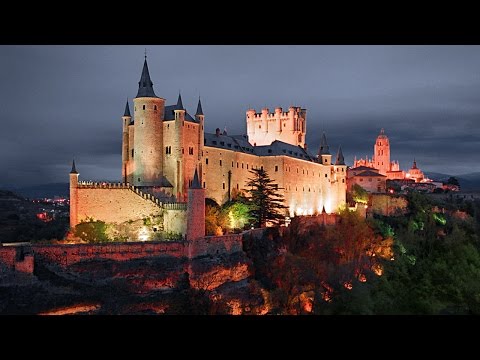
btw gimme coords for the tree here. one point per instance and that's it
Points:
(92, 231)
(359, 194)
(453, 181)
(266, 202)
(215, 220)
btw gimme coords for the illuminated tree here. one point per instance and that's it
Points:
(265, 200)
(359, 194)
(92, 231)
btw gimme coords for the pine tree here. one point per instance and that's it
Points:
(266, 202)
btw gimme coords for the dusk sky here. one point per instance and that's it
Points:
(63, 101)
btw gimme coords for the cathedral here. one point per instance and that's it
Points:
(163, 145)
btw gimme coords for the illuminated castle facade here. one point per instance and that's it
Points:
(163, 146)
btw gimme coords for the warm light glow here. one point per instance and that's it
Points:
(143, 234)
(310, 211)
(407, 175)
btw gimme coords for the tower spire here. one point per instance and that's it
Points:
(74, 170)
(145, 85)
(127, 110)
(179, 101)
(340, 159)
(324, 148)
(195, 182)
(199, 107)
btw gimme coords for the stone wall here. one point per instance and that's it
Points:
(214, 245)
(113, 205)
(65, 255)
(18, 258)
(175, 221)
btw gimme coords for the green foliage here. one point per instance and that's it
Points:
(265, 200)
(147, 221)
(359, 194)
(238, 213)
(92, 231)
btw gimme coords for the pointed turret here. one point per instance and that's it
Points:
(324, 148)
(340, 159)
(195, 182)
(127, 111)
(414, 164)
(74, 170)
(179, 102)
(145, 85)
(199, 108)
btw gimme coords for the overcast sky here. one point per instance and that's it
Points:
(63, 101)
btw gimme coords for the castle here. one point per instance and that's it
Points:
(167, 156)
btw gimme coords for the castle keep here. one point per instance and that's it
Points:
(168, 161)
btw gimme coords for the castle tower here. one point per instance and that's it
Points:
(323, 152)
(201, 120)
(126, 118)
(73, 196)
(196, 210)
(381, 155)
(264, 128)
(149, 111)
(179, 185)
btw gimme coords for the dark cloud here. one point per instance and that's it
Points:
(65, 101)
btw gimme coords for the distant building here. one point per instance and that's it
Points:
(368, 178)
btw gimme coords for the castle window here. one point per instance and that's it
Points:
(223, 186)
(269, 151)
(296, 154)
(222, 143)
(232, 164)
(343, 180)
(204, 186)
(237, 165)
(143, 107)
(297, 170)
(206, 161)
(343, 169)
(220, 162)
(325, 175)
(284, 124)
(242, 165)
(237, 186)
(259, 126)
(132, 153)
(183, 151)
(229, 145)
(247, 166)
(308, 189)
(168, 126)
(138, 179)
(214, 142)
(303, 171)
(284, 151)
(325, 161)
(166, 150)
(190, 150)
(261, 167)
(188, 126)
(290, 152)
(155, 107)
(307, 172)
(360, 178)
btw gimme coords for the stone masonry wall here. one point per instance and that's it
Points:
(113, 205)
